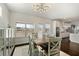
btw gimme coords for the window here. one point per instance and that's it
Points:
(20, 32)
(0, 11)
(40, 26)
(19, 25)
(47, 26)
(29, 26)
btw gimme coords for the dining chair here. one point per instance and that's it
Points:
(54, 45)
(30, 46)
(33, 51)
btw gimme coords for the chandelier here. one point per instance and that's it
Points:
(41, 7)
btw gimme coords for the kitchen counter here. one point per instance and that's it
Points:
(74, 37)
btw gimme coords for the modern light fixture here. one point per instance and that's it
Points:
(40, 7)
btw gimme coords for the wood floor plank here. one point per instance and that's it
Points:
(69, 47)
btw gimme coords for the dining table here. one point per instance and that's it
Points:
(46, 45)
(42, 44)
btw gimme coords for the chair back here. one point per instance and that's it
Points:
(54, 46)
(31, 45)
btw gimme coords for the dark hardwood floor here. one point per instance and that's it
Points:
(69, 47)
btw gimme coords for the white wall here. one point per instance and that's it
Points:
(5, 16)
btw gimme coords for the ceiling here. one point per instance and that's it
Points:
(64, 11)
